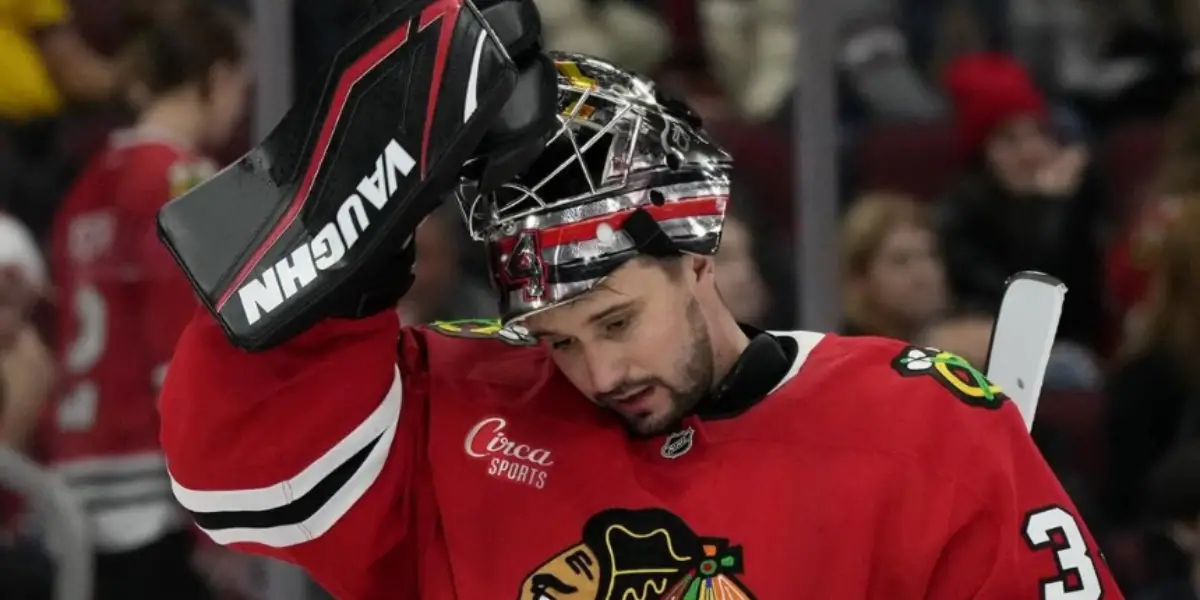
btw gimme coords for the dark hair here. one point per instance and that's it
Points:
(1173, 488)
(177, 42)
(1171, 317)
(1177, 172)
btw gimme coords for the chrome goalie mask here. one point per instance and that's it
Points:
(628, 172)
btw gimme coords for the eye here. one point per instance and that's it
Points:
(560, 345)
(617, 325)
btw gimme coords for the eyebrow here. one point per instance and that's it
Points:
(600, 316)
(610, 311)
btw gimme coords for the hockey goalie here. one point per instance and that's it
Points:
(618, 435)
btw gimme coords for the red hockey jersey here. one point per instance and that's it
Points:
(122, 305)
(461, 465)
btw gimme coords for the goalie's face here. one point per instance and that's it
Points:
(638, 343)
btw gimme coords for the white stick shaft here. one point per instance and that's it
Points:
(1023, 336)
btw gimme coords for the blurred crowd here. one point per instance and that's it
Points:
(976, 138)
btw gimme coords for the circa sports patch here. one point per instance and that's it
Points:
(485, 329)
(953, 373)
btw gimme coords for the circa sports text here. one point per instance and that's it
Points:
(508, 458)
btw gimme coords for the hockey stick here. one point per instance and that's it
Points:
(1023, 336)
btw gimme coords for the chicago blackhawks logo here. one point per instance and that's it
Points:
(951, 371)
(183, 176)
(647, 554)
(485, 329)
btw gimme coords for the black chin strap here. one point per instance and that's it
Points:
(648, 236)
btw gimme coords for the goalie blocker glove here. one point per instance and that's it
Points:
(318, 220)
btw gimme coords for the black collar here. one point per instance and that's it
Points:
(762, 365)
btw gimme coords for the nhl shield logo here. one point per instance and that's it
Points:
(677, 444)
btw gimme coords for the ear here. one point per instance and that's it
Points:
(701, 266)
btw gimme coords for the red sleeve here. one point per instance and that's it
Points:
(299, 452)
(1015, 533)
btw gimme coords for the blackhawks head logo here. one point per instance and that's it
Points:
(484, 329)
(955, 374)
(646, 554)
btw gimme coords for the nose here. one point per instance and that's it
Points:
(606, 366)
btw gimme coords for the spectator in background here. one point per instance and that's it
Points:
(876, 65)
(26, 376)
(1173, 500)
(893, 283)
(123, 302)
(44, 59)
(1137, 63)
(1153, 393)
(1026, 201)
(1071, 32)
(45, 64)
(753, 48)
(26, 364)
(1178, 178)
(620, 31)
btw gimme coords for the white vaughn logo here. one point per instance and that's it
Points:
(292, 273)
(507, 458)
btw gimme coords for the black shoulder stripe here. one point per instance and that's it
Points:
(296, 512)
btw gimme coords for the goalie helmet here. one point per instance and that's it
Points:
(628, 171)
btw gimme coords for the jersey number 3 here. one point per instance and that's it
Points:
(77, 409)
(1055, 529)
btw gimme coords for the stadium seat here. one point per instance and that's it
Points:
(765, 157)
(911, 158)
(1079, 418)
(1129, 157)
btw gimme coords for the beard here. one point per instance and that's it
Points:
(694, 381)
